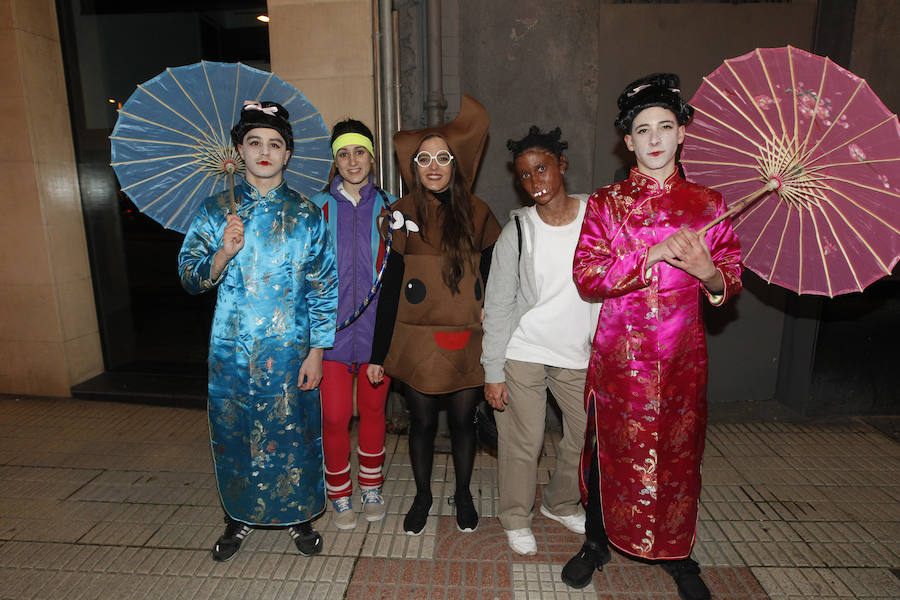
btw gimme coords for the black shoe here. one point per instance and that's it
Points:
(415, 519)
(230, 541)
(579, 571)
(307, 539)
(466, 516)
(686, 573)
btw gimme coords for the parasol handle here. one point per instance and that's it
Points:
(773, 184)
(229, 168)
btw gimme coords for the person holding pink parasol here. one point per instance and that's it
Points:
(645, 394)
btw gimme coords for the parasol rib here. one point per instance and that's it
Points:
(865, 243)
(309, 116)
(720, 144)
(815, 111)
(171, 189)
(720, 163)
(750, 96)
(160, 125)
(861, 208)
(307, 176)
(794, 93)
(739, 110)
(151, 160)
(734, 182)
(761, 233)
(146, 141)
(765, 71)
(846, 143)
(191, 100)
(212, 97)
(833, 123)
(787, 220)
(157, 175)
(861, 186)
(812, 215)
(729, 127)
(187, 201)
(853, 163)
(173, 111)
(840, 245)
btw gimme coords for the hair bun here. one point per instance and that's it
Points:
(656, 89)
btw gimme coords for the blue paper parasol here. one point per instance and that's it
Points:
(171, 146)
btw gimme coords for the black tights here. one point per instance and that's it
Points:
(423, 422)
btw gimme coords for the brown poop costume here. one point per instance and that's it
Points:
(436, 345)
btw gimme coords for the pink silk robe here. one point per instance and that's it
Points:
(646, 383)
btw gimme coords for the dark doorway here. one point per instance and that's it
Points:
(154, 334)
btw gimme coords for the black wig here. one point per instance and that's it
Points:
(252, 116)
(658, 89)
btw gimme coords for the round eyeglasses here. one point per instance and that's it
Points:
(424, 158)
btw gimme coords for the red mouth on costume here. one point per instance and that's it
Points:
(452, 340)
(264, 163)
(655, 154)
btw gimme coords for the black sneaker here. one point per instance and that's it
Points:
(307, 539)
(230, 542)
(579, 571)
(415, 519)
(686, 573)
(466, 516)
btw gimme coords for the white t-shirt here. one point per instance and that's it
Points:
(558, 330)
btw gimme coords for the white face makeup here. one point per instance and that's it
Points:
(265, 154)
(654, 139)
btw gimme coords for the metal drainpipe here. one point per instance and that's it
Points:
(388, 124)
(435, 103)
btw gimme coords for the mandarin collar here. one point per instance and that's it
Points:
(256, 196)
(651, 184)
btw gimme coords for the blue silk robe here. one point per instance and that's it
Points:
(277, 298)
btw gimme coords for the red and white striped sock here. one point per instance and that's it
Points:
(337, 485)
(370, 475)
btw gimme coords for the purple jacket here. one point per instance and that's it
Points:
(359, 245)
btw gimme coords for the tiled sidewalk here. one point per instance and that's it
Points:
(117, 501)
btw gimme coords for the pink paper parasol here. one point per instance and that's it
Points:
(808, 158)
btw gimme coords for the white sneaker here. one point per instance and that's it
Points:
(343, 517)
(574, 523)
(521, 541)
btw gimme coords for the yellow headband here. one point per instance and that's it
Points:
(351, 139)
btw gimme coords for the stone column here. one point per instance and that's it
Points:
(49, 338)
(325, 49)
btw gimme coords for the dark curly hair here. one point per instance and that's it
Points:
(536, 138)
(658, 89)
(252, 118)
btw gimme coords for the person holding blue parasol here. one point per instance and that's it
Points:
(271, 259)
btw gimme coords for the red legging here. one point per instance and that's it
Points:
(337, 409)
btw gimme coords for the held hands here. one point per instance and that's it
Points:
(687, 250)
(495, 394)
(311, 370)
(375, 374)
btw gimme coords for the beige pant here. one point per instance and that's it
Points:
(520, 429)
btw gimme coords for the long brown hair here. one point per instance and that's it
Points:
(457, 227)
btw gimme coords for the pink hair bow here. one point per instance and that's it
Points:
(269, 110)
